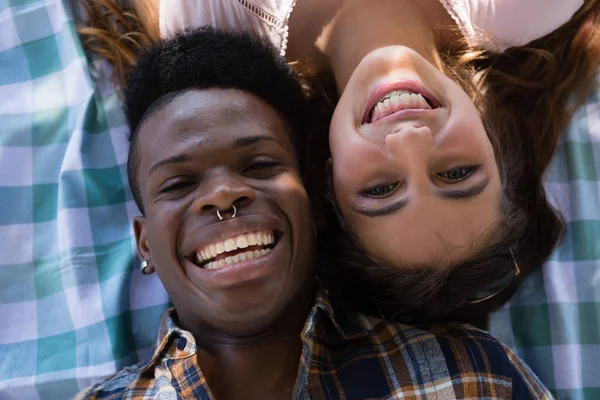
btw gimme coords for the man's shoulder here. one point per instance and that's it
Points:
(456, 353)
(463, 348)
(113, 387)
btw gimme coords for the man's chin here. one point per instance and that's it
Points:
(258, 312)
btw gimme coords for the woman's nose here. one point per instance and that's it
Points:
(410, 142)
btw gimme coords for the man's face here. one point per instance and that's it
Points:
(209, 150)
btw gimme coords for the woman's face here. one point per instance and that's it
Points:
(414, 171)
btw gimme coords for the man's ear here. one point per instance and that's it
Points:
(141, 239)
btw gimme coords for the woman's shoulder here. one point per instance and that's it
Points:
(499, 24)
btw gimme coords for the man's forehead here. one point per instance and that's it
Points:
(205, 109)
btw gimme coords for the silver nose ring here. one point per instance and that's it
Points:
(232, 214)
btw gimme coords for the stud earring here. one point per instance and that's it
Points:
(145, 268)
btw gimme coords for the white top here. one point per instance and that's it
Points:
(499, 24)
(265, 18)
(491, 24)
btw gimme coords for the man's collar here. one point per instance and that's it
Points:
(322, 324)
(349, 326)
(172, 342)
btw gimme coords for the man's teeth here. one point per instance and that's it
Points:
(396, 101)
(238, 258)
(213, 250)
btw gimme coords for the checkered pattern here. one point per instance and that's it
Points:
(351, 357)
(553, 322)
(74, 306)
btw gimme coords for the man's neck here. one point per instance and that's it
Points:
(363, 26)
(259, 366)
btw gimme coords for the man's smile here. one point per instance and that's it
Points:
(235, 249)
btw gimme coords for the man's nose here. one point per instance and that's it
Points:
(220, 192)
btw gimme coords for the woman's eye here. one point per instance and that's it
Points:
(176, 186)
(380, 190)
(457, 175)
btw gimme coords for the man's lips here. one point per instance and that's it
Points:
(210, 246)
(235, 249)
(405, 97)
(263, 263)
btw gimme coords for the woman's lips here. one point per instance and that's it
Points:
(395, 101)
(394, 97)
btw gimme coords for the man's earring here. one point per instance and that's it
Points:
(145, 268)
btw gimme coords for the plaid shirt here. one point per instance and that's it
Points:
(353, 357)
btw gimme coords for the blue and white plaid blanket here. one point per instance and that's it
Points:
(73, 306)
(553, 322)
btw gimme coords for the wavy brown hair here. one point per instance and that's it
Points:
(523, 98)
(113, 31)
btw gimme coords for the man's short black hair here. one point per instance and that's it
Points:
(205, 58)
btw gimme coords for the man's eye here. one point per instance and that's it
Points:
(457, 175)
(262, 169)
(261, 165)
(380, 190)
(176, 186)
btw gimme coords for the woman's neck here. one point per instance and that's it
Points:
(362, 26)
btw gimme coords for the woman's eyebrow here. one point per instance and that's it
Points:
(386, 210)
(465, 193)
(454, 194)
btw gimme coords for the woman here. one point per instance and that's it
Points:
(446, 120)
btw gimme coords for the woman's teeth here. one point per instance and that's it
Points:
(215, 255)
(398, 100)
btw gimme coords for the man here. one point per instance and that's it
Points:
(215, 166)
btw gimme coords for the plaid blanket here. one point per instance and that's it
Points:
(553, 322)
(74, 306)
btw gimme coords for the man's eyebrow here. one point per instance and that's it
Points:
(378, 212)
(250, 140)
(241, 142)
(176, 159)
(466, 193)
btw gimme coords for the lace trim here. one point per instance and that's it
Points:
(475, 35)
(461, 24)
(286, 33)
(272, 20)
